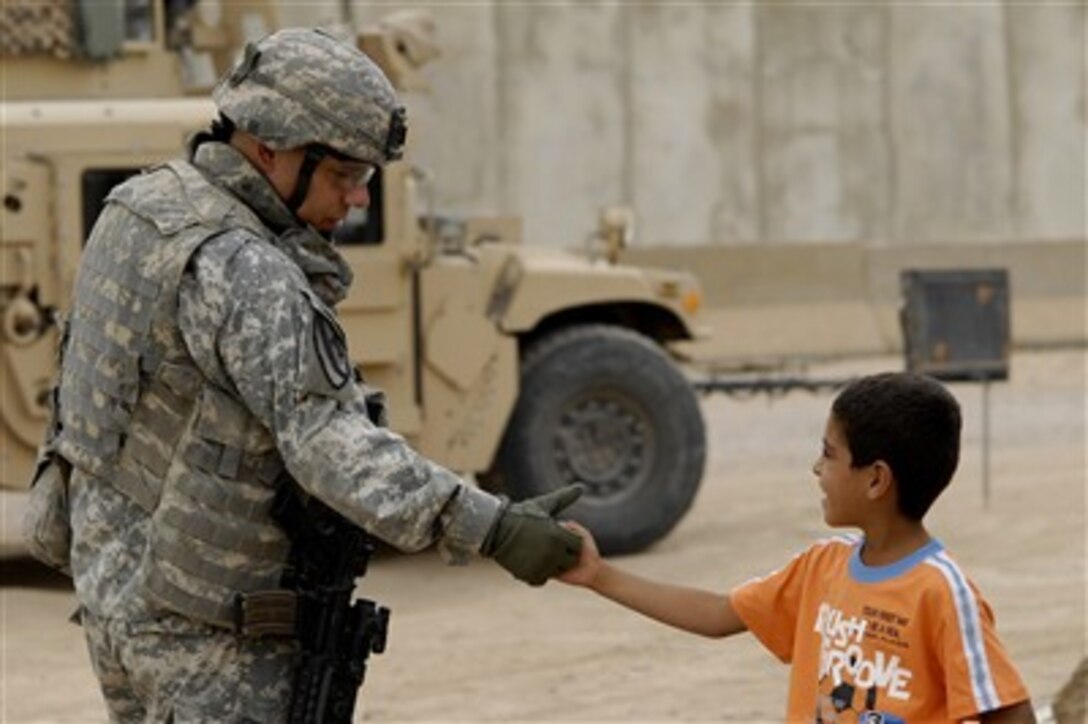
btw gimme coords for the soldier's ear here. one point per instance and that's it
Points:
(266, 157)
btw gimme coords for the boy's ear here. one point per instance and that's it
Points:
(882, 481)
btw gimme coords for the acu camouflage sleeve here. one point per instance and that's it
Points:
(253, 325)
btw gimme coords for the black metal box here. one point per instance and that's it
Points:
(956, 323)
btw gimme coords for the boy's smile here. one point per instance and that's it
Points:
(843, 485)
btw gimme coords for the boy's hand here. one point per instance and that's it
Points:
(585, 571)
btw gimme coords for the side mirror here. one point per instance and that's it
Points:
(615, 230)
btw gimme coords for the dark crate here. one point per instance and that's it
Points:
(956, 323)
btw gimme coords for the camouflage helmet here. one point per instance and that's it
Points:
(300, 87)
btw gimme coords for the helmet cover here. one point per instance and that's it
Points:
(299, 87)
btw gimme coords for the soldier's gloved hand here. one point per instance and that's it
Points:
(527, 541)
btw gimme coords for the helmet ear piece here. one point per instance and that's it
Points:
(314, 155)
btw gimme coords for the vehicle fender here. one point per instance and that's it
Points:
(535, 285)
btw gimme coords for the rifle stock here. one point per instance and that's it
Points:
(336, 635)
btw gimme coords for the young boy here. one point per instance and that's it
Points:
(878, 628)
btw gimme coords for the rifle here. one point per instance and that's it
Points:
(336, 634)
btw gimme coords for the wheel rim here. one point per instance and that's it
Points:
(606, 442)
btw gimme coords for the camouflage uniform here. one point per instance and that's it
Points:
(202, 360)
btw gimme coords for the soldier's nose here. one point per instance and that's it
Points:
(358, 196)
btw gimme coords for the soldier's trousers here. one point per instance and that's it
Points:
(176, 670)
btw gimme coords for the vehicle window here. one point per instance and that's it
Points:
(139, 21)
(96, 184)
(365, 226)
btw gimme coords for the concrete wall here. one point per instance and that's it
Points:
(766, 303)
(752, 123)
(763, 144)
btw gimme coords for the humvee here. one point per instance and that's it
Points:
(527, 367)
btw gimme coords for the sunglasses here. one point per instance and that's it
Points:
(350, 175)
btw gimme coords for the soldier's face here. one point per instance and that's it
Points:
(335, 188)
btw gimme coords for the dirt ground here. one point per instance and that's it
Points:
(473, 645)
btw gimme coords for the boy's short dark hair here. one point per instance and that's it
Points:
(909, 421)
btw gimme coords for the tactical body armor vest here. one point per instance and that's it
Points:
(137, 413)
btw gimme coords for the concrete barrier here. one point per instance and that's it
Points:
(831, 300)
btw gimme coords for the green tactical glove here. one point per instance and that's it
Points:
(527, 541)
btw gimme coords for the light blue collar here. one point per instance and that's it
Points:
(878, 574)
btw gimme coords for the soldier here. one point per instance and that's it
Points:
(202, 366)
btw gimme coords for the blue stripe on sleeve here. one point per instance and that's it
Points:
(974, 648)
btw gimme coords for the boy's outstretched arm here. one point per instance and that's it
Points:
(690, 609)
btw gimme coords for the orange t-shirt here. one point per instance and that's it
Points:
(913, 641)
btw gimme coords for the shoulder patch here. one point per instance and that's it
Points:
(332, 350)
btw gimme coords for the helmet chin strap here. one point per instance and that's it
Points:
(314, 155)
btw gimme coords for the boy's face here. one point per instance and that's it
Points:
(844, 486)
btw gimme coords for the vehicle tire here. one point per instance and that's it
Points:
(606, 407)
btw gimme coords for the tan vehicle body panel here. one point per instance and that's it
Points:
(139, 74)
(550, 274)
